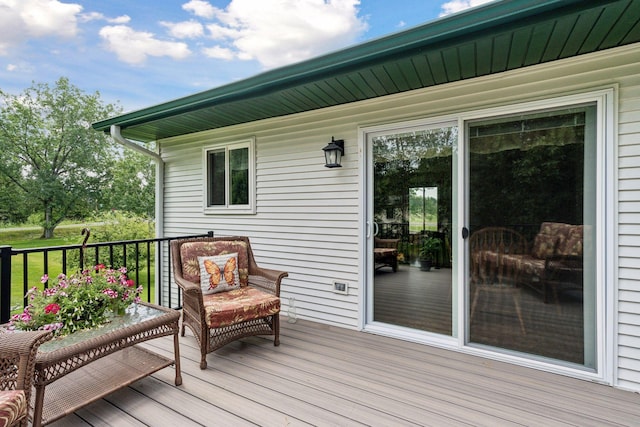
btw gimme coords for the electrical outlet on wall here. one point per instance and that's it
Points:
(340, 287)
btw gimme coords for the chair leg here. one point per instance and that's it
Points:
(474, 303)
(519, 312)
(276, 330)
(205, 345)
(203, 360)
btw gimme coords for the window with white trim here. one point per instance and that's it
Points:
(230, 177)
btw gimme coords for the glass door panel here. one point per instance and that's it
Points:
(412, 209)
(532, 181)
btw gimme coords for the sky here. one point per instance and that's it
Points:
(139, 53)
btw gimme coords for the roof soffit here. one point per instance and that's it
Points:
(490, 40)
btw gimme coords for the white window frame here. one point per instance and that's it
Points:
(605, 240)
(606, 237)
(228, 208)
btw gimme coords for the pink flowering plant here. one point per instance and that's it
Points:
(83, 300)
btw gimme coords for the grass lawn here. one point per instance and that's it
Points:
(35, 265)
(417, 223)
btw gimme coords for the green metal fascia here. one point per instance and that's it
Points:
(494, 15)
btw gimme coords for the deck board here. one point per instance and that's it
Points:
(324, 375)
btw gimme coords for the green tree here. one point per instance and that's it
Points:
(15, 208)
(117, 226)
(49, 151)
(132, 188)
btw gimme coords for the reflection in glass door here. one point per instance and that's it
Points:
(532, 181)
(412, 212)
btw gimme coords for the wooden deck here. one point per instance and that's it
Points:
(329, 376)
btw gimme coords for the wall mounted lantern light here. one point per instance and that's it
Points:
(333, 153)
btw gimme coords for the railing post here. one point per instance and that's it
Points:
(5, 283)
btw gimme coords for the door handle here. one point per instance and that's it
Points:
(465, 232)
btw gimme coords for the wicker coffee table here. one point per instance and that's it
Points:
(85, 366)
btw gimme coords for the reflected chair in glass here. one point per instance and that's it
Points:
(489, 274)
(385, 253)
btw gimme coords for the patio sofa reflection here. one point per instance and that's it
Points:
(554, 261)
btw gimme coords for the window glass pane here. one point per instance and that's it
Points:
(239, 168)
(216, 174)
(532, 218)
(412, 250)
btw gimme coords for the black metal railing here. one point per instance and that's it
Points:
(136, 254)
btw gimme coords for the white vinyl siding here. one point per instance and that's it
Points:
(308, 218)
(305, 216)
(628, 361)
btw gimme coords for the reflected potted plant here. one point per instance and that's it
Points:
(428, 252)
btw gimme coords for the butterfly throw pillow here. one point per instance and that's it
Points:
(219, 273)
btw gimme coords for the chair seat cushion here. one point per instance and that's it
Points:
(525, 265)
(13, 407)
(239, 305)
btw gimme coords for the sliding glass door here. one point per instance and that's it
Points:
(411, 248)
(482, 233)
(532, 205)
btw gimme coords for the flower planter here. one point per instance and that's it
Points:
(83, 300)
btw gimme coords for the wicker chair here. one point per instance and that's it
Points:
(220, 318)
(17, 362)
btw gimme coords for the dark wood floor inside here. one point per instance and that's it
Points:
(423, 300)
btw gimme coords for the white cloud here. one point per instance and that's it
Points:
(200, 8)
(218, 32)
(20, 67)
(134, 47)
(97, 16)
(185, 29)
(279, 32)
(219, 52)
(50, 17)
(21, 19)
(91, 16)
(119, 19)
(460, 5)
